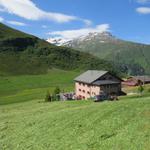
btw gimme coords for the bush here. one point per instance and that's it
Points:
(140, 89)
(48, 97)
(54, 97)
(56, 93)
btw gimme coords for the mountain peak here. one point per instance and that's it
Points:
(106, 33)
(57, 41)
(102, 37)
(99, 36)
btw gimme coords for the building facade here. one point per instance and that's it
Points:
(93, 83)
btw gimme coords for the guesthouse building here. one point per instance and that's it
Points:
(94, 82)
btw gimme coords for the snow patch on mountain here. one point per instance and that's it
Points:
(103, 37)
(57, 41)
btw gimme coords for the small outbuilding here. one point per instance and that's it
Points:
(137, 80)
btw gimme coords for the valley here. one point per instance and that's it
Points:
(31, 67)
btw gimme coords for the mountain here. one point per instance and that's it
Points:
(21, 53)
(57, 41)
(132, 57)
(103, 37)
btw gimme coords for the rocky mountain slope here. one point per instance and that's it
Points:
(134, 57)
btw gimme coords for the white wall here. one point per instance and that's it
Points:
(86, 90)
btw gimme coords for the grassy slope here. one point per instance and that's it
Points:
(29, 87)
(21, 53)
(35, 125)
(77, 125)
(7, 32)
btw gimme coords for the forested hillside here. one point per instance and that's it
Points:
(21, 53)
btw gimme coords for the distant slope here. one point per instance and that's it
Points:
(134, 57)
(22, 53)
(22, 88)
(7, 32)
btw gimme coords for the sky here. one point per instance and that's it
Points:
(125, 19)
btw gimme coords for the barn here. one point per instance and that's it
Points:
(137, 80)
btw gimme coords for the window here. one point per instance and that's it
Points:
(80, 96)
(93, 93)
(80, 90)
(88, 92)
(83, 91)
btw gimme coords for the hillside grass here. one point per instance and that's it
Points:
(22, 88)
(134, 89)
(29, 123)
(22, 54)
(76, 125)
(29, 87)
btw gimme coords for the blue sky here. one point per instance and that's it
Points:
(126, 19)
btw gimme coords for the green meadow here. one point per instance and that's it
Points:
(29, 123)
(31, 87)
(76, 125)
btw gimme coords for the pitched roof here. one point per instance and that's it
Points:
(142, 78)
(90, 76)
(105, 82)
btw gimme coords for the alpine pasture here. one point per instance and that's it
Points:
(76, 125)
(29, 123)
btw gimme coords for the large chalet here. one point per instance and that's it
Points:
(94, 82)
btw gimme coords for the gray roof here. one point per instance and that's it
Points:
(90, 76)
(105, 82)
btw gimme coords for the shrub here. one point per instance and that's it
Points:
(57, 90)
(140, 89)
(48, 97)
(56, 93)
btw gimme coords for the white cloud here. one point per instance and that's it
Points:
(70, 34)
(28, 10)
(143, 10)
(12, 22)
(143, 1)
(87, 22)
(1, 19)
(16, 23)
